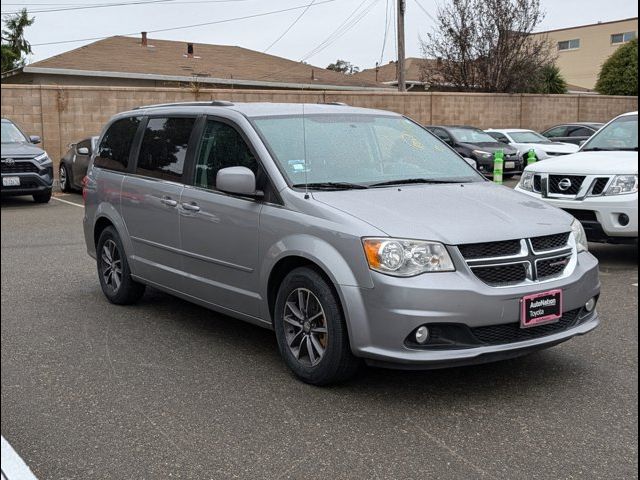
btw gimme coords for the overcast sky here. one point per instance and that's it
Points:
(361, 44)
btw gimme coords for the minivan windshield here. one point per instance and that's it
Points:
(529, 137)
(344, 151)
(471, 135)
(12, 134)
(620, 134)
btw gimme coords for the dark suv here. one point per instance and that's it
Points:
(478, 145)
(26, 169)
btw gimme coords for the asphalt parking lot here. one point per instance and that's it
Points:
(166, 389)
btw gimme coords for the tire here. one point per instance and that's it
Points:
(117, 286)
(297, 332)
(65, 178)
(43, 197)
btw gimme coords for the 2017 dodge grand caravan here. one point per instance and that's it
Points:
(354, 234)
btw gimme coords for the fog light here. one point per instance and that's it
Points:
(623, 219)
(590, 305)
(422, 335)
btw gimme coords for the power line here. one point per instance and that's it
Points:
(425, 11)
(386, 31)
(216, 22)
(290, 27)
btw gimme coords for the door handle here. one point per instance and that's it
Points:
(168, 202)
(191, 207)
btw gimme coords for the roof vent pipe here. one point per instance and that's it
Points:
(190, 50)
(144, 42)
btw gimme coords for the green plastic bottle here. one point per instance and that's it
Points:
(498, 166)
(531, 157)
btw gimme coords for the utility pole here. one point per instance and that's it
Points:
(402, 86)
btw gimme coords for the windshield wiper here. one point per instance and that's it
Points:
(596, 149)
(408, 181)
(331, 186)
(630, 149)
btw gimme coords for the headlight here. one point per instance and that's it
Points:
(526, 181)
(623, 184)
(42, 158)
(580, 236)
(406, 258)
(482, 154)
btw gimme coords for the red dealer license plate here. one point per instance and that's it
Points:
(541, 308)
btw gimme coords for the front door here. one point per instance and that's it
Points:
(150, 200)
(219, 231)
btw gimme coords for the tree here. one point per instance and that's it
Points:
(343, 66)
(14, 44)
(619, 74)
(550, 81)
(487, 45)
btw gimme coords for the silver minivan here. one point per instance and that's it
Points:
(355, 234)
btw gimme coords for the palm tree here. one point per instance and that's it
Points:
(551, 81)
(14, 45)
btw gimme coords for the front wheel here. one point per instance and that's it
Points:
(311, 330)
(65, 179)
(113, 270)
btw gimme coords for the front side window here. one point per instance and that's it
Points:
(84, 144)
(620, 134)
(361, 149)
(12, 134)
(221, 147)
(555, 132)
(164, 147)
(569, 44)
(115, 147)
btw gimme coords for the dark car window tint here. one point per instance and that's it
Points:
(113, 152)
(164, 147)
(580, 132)
(221, 147)
(442, 135)
(555, 132)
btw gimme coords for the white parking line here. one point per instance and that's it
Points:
(13, 467)
(67, 201)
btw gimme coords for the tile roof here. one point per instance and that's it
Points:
(388, 72)
(169, 58)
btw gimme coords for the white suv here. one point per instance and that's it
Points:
(598, 185)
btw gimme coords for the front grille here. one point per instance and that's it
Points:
(512, 332)
(552, 267)
(473, 251)
(573, 189)
(600, 185)
(501, 275)
(583, 215)
(19, 167)
(550, 242)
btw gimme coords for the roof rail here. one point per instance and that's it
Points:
(211, 103)
(339, 104)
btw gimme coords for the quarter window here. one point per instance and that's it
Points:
(115, 147)
(221, 147)
(164, 147)
(569, 44)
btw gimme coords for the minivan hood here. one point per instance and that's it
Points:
(590, 163)
(453, 214)
(20, 150)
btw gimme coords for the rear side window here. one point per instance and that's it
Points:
(580, 132)
(221, 147)
(113, 151)
(84, 144)
(164, 147)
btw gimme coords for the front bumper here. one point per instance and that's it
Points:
(486, 165)
(30, 183)
(380, 319)
(600, 215)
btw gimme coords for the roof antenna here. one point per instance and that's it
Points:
(304, 143)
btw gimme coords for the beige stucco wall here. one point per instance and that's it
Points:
(581, 66)
(64, 114)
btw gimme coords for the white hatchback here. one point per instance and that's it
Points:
(598, 185)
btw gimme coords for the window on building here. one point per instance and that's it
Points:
(569, 44)
(622, 37)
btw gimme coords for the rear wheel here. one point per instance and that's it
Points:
(65, 179)
(113, 270)
(43, 197)
(311, 331)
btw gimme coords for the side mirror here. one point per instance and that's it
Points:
(471, 162)
(582, 142)
(35, 139)
(83, 151)
(237, 180)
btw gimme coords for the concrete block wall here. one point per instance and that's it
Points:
(65, 114)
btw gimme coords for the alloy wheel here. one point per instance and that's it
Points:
(111, 265)
(305, 327)
(63, 178)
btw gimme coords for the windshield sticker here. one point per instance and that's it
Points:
(412, 141)
(298, 166)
